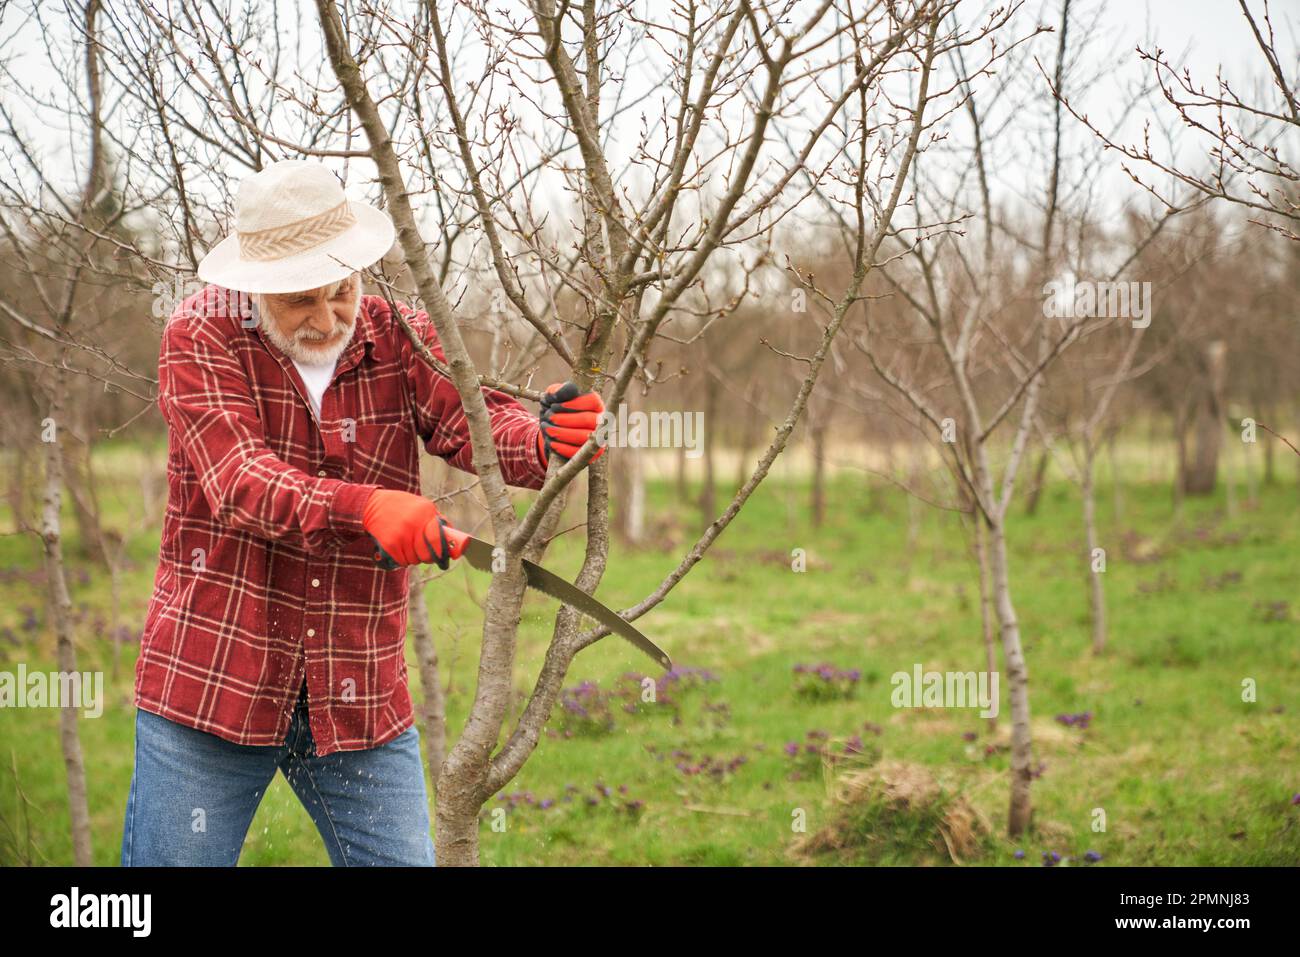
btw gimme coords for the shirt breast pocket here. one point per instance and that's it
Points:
(384, 453)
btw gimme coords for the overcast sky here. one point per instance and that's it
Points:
(1199, 33)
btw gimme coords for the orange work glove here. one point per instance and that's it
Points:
(406, 528)
(568, 418)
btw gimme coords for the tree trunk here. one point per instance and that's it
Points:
(1201, 476)
(986, 604)
(1096, 589)
(1021, 808)
(708, 503)
(1180, 473)
(1116, 489)
(1270, 477)
(1036, 489)
(115, 554)
(1230, 492)
(913, 509)
(80, 483)
(819, 474)
(61, 618)
(433, 709)
(18, 502)
(1252, 483)
(683, 489)
(1298, 457)
(462, 785)
(748, 437)
(633, 523)
(629, 468)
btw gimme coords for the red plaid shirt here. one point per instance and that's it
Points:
(265, 573)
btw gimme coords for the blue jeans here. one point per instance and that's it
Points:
(193, 796)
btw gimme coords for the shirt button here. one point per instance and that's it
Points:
(315, 583)
(311, 632)
(321, 473)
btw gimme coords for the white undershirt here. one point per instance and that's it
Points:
(315, 378)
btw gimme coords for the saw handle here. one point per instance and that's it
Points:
(456, 540)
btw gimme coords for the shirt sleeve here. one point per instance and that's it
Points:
(205, 397)
(441, 420)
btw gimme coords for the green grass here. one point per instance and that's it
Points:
(1184, 771)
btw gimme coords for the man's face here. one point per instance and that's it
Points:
(312, 327)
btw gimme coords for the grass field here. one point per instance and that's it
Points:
(1183, 769)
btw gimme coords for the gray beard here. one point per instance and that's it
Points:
(303, 355)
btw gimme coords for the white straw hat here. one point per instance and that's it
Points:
(296, 230)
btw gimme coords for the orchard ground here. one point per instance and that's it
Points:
(1147, 754)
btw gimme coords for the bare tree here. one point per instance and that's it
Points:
(63, 273)
(970, 350)
(627, 250)
(1246, 138)
(602, 179)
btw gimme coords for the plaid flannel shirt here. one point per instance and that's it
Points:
(265, 573)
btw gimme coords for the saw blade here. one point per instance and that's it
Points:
(479, 554)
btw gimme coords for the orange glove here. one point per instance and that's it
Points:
(406, 528)
(568, 419)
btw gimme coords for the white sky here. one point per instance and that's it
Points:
(1200, 33)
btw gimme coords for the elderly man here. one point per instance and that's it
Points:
(273, 640)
